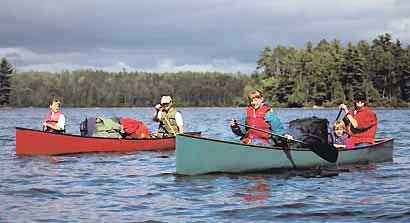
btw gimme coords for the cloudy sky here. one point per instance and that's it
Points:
(176, 35)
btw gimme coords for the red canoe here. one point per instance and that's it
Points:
(36, 142)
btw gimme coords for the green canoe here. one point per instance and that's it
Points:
(198, 155)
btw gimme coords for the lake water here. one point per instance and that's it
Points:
(142, 186)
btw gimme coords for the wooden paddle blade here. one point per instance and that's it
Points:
(325, 151)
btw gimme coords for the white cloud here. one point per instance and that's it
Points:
(227, 66)
(183, 34)
(28, 60)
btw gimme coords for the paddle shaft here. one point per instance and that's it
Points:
(338, 114)
(271, 133)
(325, 151)
(169, 125)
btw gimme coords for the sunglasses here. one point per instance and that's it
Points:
(165, 104)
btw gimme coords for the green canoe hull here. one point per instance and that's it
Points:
(199, 155)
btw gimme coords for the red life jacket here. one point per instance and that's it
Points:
(134, 129)
(367, 126)
(256, 119)
(52, 120)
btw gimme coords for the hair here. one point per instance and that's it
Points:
(56, 101)
(339, 124)
(360, 96)
(253, 92)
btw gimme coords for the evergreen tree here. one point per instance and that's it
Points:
(405, 76)
(338, 96)
(352, 71)
(265, 62)
(5, 70)
(382, 65)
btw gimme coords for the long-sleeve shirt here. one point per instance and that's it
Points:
(366, 125)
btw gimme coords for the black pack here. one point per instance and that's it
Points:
(312, 130)
(87, 126)
(83, 128)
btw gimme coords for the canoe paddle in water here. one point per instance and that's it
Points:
(325, 151)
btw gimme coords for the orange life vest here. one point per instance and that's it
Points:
(256, 118)
(52, 120)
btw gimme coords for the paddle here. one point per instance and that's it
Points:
(325, 151)
(170, 126)
(338, 114)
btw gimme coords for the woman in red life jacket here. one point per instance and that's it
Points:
(260, 116)
(361, 122)
(55, 120)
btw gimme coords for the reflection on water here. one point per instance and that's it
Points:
(258, 191)
(142, 186)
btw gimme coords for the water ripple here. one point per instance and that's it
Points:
(143, 186)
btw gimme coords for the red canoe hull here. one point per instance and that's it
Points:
(35, 142)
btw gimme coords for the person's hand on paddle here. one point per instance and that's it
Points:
(234, 123)
(344, 107)
(288, 136)
(235, 128)
(158, 107)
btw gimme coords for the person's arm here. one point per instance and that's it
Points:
(180, 122)
(61, 122)
(339, 145)
(236, 129)
(275, 123)
(348, 117)
(157, 114)
(59, 125)
(45, 124)
(349, 144)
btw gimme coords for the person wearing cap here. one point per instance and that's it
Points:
(361, 122)
(170, 120)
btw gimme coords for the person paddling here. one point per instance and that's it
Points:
(170, 120)
(55, 120)
(261, 116)
(361, 122)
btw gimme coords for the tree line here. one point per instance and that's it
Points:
(89, 88)
(328, 73)
(325, 74)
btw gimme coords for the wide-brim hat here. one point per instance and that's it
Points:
(166, 99)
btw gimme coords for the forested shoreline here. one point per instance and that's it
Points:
(87, 88)
(325, 74)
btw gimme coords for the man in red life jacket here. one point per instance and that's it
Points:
(260, 116)
(55, 120)
(361, 122)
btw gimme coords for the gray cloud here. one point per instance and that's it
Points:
(181, 34)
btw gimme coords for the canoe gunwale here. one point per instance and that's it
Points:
(377, 142)
(37, 142)
(92, 137)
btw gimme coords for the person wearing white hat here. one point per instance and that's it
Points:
(170, 120)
